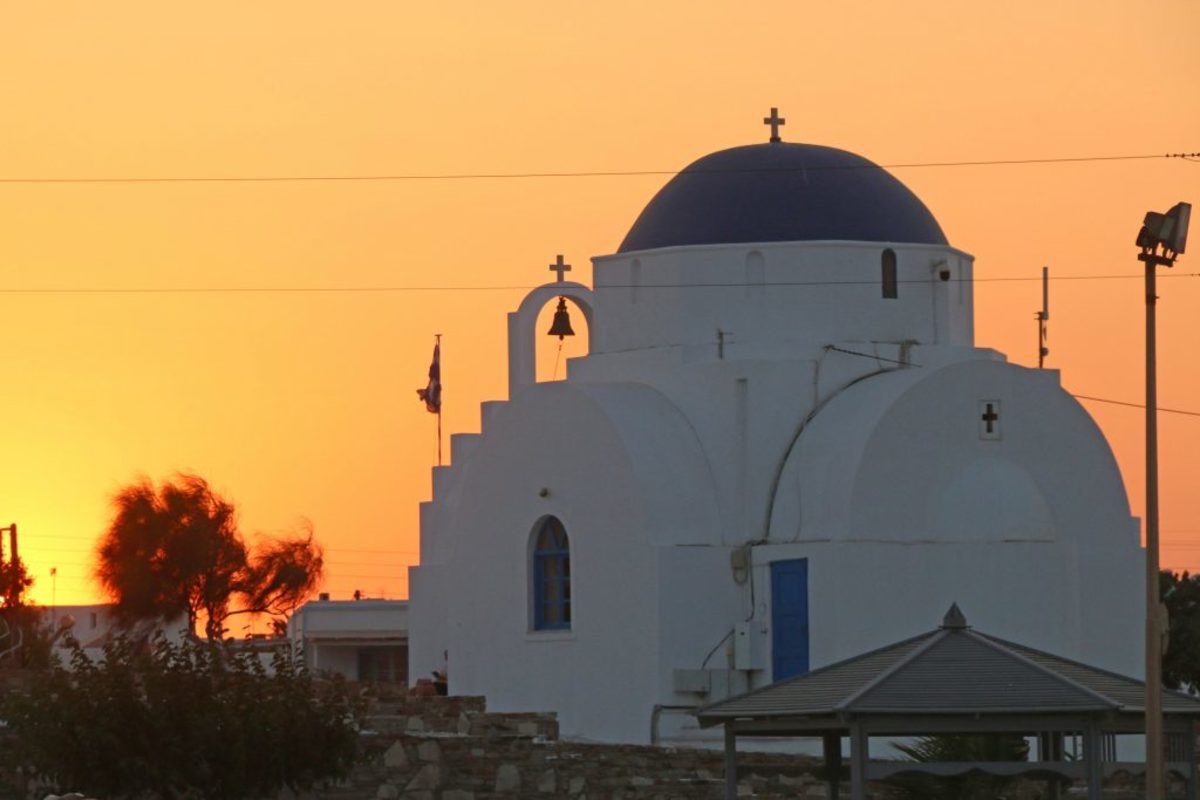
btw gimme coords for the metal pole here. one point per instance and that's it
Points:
(858, 762)
(1154, 730)
(731, 791)
(438, 340)
(833, 764)
(1042, 317)
(1093, 762)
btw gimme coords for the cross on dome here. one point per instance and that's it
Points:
(775, 121)
(559, 267)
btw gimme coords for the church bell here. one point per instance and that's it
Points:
(562, 321)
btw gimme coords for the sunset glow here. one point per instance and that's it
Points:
(270, 336)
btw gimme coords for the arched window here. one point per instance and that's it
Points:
(551, 576)
(889, 273)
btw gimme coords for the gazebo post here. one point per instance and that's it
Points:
(858, 762)
(730, 762)
(833, 763)
(1050, 748)
(1193, 784)
(1093, 761)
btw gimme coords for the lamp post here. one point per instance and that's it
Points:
(1161, 239)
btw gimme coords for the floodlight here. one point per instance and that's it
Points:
(1169, 230)
(1178, 216)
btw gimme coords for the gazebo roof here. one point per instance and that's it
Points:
(952, 670)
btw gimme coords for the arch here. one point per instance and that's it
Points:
(888, 267)
(522, 348)
(550, 575)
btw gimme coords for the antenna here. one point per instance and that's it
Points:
(1043, 317)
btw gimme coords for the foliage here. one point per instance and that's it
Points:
(176, 551)
(20, 632)
(190, 720)
(1181, 595)
(14, 581)
(960, 748)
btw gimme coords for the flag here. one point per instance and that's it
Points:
(432, 393)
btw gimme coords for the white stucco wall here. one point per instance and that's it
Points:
(827, 423)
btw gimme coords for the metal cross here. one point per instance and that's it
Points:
(774, 121)
(559, 267)
(990, 417)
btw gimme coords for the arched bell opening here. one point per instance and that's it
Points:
(561, 333)
(533, 353)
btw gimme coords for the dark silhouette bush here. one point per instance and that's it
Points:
(164, 720)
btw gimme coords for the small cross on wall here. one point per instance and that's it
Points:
(559, 267)
(989, 419)
(775, 121)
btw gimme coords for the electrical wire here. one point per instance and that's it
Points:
(149, 290)
(459, 176)
(1135, 405)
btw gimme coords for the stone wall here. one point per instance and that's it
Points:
(451, 748)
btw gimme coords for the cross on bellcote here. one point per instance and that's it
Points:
(775, 121)
(559, 267)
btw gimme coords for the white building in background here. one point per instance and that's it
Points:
(363, 640)
(93, 625)
(783, 448)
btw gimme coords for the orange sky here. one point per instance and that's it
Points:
(302, 404)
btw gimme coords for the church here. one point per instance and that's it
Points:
(783, 448)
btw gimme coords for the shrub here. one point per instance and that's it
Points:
(165, 720)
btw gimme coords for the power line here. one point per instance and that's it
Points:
(1135, 405)
(876, 357)
(459, 176)
(136, 290)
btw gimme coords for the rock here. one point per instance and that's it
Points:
(457, 794)
(508, 778)
(429, 751)
(464, 724)
(639, 781)
(416, 724)
(576, 785)
(387, 792)
(395, 757)
(548, 782)
(428, 777)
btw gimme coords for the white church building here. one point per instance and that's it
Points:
(783, 448)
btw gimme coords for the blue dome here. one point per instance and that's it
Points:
(781, 192)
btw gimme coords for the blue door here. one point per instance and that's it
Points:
(789, 618)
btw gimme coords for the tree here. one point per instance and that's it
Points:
(19, 629)
(189, 720)
(176, 551)
(14, 582)
(1181, 664)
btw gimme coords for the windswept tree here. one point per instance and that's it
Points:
(1181, 664)
(176, 550)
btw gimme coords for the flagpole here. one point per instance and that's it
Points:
(438, 337)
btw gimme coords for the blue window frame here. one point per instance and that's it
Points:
(551, 576)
